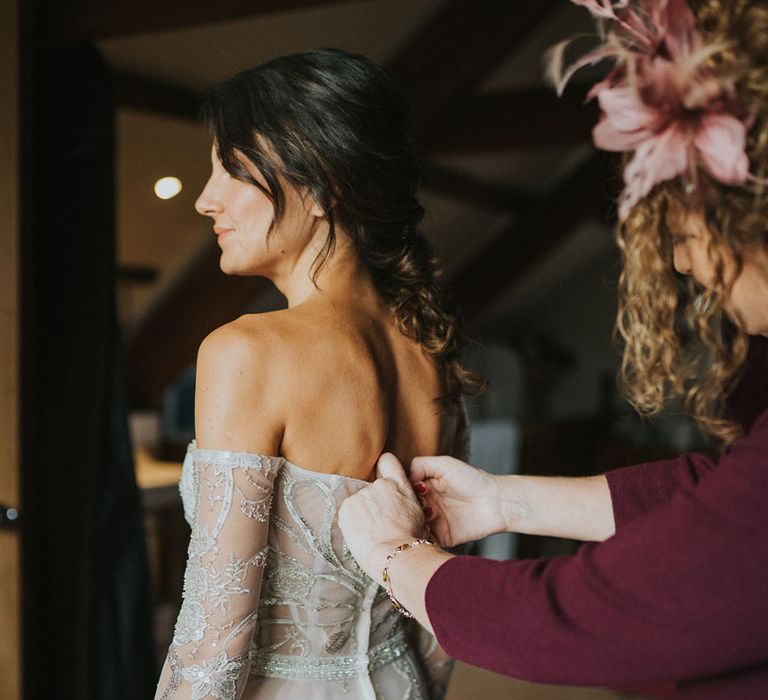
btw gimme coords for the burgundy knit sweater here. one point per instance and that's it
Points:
(678, 596)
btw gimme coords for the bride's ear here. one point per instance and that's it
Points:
(313, 208)
(316, 210)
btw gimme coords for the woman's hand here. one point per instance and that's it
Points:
(381, 516)
(461, 503)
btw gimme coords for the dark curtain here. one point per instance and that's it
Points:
(86, 593)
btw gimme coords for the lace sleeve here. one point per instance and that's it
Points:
(208, 657)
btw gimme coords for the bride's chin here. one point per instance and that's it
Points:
(230, 268)
(225, 266)
(238, 268)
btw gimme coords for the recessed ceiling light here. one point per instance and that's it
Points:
(167, 187)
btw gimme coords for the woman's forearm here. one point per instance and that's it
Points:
(578, 508)
(574, 507)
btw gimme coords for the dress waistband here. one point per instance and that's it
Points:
(326, 668)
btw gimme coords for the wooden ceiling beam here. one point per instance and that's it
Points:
(77, 20)
(538, 228)
(454, 184)
(514, 120)
(144, 95)
(457, 48)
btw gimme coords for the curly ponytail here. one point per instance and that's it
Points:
(423, 313)
(335, 125)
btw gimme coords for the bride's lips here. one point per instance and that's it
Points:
(221, 231)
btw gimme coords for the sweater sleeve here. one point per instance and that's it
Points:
(637, 489)
(678, 593)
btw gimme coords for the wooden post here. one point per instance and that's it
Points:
(10, 572)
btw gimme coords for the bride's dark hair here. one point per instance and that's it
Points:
(335, 125)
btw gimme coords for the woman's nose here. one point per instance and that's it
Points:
(681, 260)
(208, 204)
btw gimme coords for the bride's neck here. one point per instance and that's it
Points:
(342, 277)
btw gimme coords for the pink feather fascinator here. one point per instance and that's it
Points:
(660, 101)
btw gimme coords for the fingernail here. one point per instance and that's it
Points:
(420, 488)
(428, 512)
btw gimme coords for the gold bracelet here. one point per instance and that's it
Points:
(385, 573)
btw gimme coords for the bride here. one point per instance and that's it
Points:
(312, 186)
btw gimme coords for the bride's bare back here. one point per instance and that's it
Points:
(328, 386)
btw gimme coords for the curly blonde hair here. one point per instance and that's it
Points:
(678, 342)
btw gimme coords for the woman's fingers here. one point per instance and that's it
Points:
(424, 468)
(389, 467)
(419, 470)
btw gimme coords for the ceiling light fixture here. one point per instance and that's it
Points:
(167, 187)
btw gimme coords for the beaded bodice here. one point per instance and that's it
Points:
(272, 597)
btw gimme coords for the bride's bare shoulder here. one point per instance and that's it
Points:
(242, 368)
(259, 328)
(260, 350)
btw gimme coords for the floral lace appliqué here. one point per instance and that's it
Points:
(216, 678)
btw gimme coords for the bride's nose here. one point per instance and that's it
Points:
(209, 202)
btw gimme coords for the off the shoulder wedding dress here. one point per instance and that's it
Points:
(274, 605)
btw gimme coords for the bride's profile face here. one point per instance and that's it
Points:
(242, 216)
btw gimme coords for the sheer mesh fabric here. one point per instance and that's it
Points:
(274, 604)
